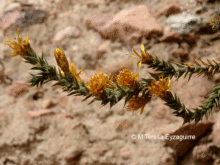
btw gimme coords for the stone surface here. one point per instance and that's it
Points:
(2, 76)
(9, 19)
(97, 22)
(216, 131)
(18, 88)
(48, 104)
(201, 153)
(182, 53)
(22, 18)
(125, 153)
(189, 129)
(121, 125)
(171, 36)
(170, 9)
(114, 68)
(167, 160)
(130, 25)
(101, 50)
(68, 32)
(40, 113)
(184, 23)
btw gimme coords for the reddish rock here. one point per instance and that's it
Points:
(18, 88)
(171, 36)
(92, 4)
(97, 22)
(64, 101)
(123, 124)
(167, 160)
(130, 25)
(2, 76)
(101, 50)
(180, 52)
(48, 104)
(125, 153)
(201, 1)
(76, 124)
(216, 131)
(201, 153)
(9, 18)
(22, 18)
(190, 38)
(196, 130)
(40, 113)
(4, 113)
(68, 32)
(101, 147)
(66, 115)
(170, 10)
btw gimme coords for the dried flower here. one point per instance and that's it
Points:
(135, 104)
(21, 46)
(160, 88)
(72, 69)
(127, 78)
(143, 58)
(99, 82)
(61, 60)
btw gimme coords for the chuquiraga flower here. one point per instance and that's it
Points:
(21, 45)
(135, 104)
(127, 78)
(61, 60)
(144, 57)
(160, 88)
(72, 69)
(215, 22)
(99, 82)
(64, 65)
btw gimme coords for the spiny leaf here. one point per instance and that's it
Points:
(88, 96)
(180, 65)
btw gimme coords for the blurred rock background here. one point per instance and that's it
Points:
(44, 126)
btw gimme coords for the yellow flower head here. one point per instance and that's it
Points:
(127, 78)
(61, 60)
(135, 104)
(143, 57)
(21, 46)
(99, 82)
(72, 69)
(215, 22)
(160, 88)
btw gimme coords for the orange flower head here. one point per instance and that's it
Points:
(21, 45)
(99, 82)
(143, 57)
(61, 60)
(135, 104)
(160, 88)
(127, 78)
(72, 69)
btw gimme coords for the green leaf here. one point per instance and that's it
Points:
(190, 75)
(72, 93)
(179, 65)
(187, 71)
(154, 75)
(88, 96)
(112, 103)
(104, 102)
(128, 97)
